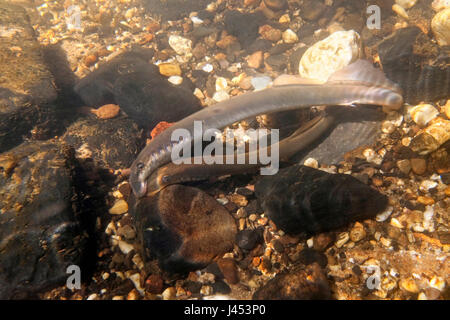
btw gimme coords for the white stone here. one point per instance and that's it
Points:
(330, 54)
(221, 96)
(311, 162)
(372, 156)
(289, 36)
(427, 185)
(385, 214)
(423, 113)
(176, 80)
(441, 27)
(136, 279)
(180, 45)
(221, 84)
(125, 247)
(196, 20)
(207, 67)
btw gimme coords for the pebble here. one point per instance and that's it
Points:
(385, 242)
(206, 290)
(136, 279)
(93, 296)
(176, 80)
(226, 42)
(385, 214)
(330, 54)
(342, 239)
(127, 232)
(437, 283)
(439, 5)
(357, 233)
(323, 241)
(409, 285)
(248, 239)
(169, 69)
(180, 45)
(119, 207)
(108, 111)
(422, 114)
(228, 268)
(90, 60)
(285, 19)
(425, 200)
(238, 199)
(426, 185)
(400, 11)
(260, 83)
(406, 3)
(387, 127)
(221, 96)
(270, 33)
(446, 108)
(125, 247)
(246, 83)
(255, 60)
(418, 165)
(404, 166)
(221, 84)
(432, 137)
(396, 223)
(372, 157)
(312, 163)
(133, 295)
(440, 25)
(290, 36)
(169, 294)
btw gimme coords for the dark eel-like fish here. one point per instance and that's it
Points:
(358, 83)
(195, 171)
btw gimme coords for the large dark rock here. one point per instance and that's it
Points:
(183, 227)
(300, 283)
(149, 98)
(418, 65)
(139, 89)
(27, 92)
(40, 233)
(303, 200)
(111, 143)
(97, 88)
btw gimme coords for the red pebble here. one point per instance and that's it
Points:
(160, 127)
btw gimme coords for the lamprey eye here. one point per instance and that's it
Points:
(140, 166)
(165, 179)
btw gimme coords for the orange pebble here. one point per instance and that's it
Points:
(160, 127)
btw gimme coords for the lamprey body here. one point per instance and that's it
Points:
(358, 83)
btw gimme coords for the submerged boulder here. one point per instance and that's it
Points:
(111, 143)
(303, 200)
(27, 92)
(139, 89)
(184, 228)
(40, 232)
(418, 65)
